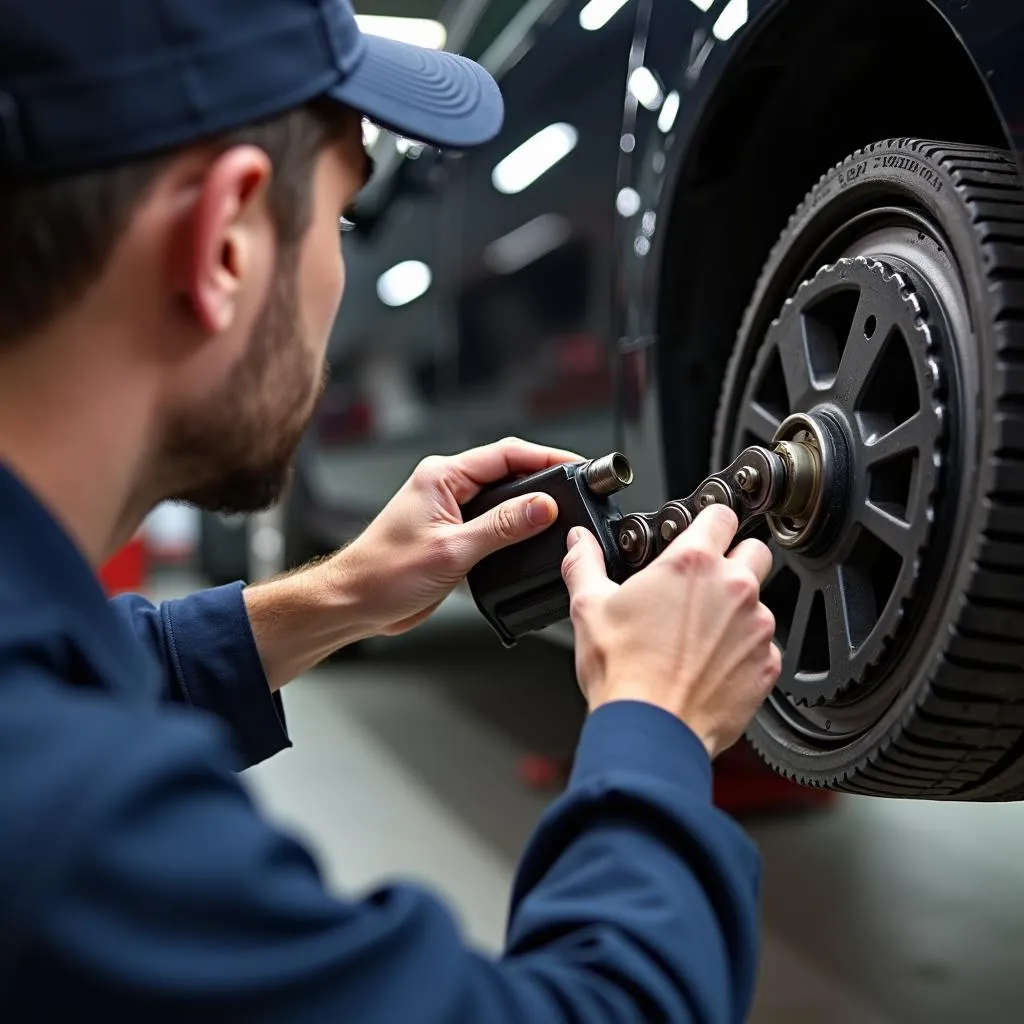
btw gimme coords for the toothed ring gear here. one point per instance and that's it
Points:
(856, 350)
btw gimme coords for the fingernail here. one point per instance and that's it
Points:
(538, 512)
(573, 538)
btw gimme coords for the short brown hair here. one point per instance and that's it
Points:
(56, 235)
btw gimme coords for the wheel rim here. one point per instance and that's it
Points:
(865, 350)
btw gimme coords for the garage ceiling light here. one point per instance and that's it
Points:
(537, 155)
(598, 13)
(731, 20)
(418, 31)
(403, 283)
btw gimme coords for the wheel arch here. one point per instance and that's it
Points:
(805, 89)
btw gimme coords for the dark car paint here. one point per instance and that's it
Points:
(675, 41)
(566, 350)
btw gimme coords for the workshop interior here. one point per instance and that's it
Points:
(761, 253)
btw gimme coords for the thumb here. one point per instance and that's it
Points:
(583, 568)
(508, 523)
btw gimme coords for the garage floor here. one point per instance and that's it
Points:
(875, 912)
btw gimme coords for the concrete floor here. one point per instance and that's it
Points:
(875, 912)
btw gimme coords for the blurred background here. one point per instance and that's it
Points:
(483, 300)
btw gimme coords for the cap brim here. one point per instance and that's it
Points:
(430, 96)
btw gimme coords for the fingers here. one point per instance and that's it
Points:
(583, 568)
(478, 467)
(508, 523)
(755, 555)
(713, 529)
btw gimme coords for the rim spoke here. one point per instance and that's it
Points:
(796, 367)
(892, 531)
(798, 631)
(904, 438)
(840, 645)
(861, 353)
(778, 562)
(757, 420)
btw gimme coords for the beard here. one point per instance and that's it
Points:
(234, 454)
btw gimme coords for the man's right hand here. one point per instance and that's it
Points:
(688, 633)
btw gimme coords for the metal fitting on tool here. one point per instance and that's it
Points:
(609, 474)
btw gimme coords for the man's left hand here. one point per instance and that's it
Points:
(418, 549)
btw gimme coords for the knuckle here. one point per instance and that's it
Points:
(744, 587)
(581, 605)
(689, 558)
(764, 624)
(430, 467)
(505, 522)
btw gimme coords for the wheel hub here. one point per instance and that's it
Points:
(817, 458)
(848, 376)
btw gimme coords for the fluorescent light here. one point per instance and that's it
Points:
(627, 202)
(418, 31)
(704, 5)
(598, 13)
(731, 20)
(669, 110)
(403, 283)
(538, 154)
(527, 243)
(644, 86)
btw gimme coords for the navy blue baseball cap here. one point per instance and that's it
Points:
(84, 83)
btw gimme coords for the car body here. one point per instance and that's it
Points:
(587, 290)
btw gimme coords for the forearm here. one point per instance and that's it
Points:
(302, 618)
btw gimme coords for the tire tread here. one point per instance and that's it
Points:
(964, 738)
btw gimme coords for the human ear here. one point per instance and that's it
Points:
(227, 224)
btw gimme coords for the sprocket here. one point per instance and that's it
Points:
(856, 348)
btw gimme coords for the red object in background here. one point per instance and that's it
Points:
(743, 783)
(126, 571)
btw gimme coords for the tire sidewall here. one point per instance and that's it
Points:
(892, 170)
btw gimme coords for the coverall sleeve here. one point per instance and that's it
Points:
(207, 655)
(635, 901)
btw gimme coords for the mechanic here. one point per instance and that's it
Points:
(173, 175)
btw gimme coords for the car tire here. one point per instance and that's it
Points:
(933, 234)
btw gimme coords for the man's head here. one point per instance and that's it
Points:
(199, 245)
(226, 255)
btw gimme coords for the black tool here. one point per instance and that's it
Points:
(520, 589)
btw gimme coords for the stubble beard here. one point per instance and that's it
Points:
(235, 455)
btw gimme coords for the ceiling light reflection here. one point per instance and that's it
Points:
(537, 155)
(598, 13)
(527, 243)
(669, 110)
(733, 17)
(644, 86)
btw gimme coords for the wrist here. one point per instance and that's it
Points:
(707, 735)
(300, 619)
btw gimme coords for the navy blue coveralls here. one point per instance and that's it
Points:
(138, 882)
